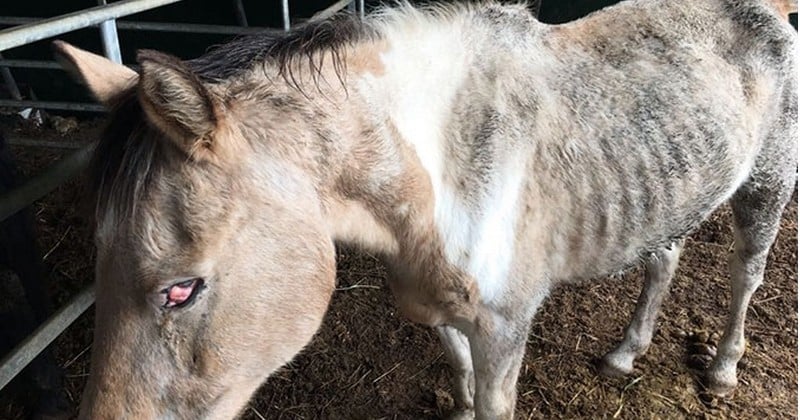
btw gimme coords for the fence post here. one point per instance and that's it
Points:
(108, 30)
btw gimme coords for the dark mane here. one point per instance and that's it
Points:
(282, 49)
(125, 157)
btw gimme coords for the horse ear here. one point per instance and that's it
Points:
(177, 102)
(104, 78)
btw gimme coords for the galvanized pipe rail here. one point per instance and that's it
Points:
(108, 31)
(38, 186)
(47, 28)
(331, 10)
(51, 144)
(64, 106)
(195, 28)
(11, 84)
(28, 349)
(31, 64)
(287, 20)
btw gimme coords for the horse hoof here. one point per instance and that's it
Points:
(611, 367)
(719, 384)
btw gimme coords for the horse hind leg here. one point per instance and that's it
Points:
(659, 270)
(757, 209)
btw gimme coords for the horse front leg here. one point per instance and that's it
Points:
(456, 349)
(497, 345)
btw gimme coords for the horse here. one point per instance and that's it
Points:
(485, 156)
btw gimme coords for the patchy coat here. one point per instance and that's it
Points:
(486, 156)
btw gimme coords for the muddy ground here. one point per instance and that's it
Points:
(367, 362)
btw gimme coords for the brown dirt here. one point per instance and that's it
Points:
(368, 362)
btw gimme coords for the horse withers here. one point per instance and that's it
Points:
(486, 156)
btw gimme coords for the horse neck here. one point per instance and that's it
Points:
(380, 161)
(373, 179)
(399, 100)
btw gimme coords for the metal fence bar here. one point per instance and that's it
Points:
(31, 64)
(55, 144)
(241, 16)
(17, 20)
(187, 27)
(25, 34)
(41, 64)
(155, 26)
(331, 10)
(9, 81)
(64, 106)
(38, 186)
(108, 31)
(287, 24)
(29, 348)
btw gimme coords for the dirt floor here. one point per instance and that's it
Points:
(367, 362)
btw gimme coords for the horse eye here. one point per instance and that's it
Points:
(182, 293)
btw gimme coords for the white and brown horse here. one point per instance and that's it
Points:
(486, 156)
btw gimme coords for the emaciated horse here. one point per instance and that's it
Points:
(486, 156)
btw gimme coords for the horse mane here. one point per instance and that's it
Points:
(307, 43)
(123, 162)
